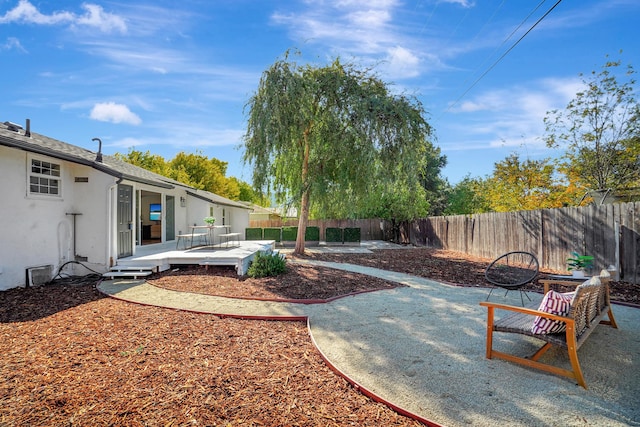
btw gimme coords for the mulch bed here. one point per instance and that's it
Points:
(71, 356)
(309, 282)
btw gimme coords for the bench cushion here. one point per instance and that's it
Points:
(554, 303)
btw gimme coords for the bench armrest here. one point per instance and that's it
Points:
(530, 311)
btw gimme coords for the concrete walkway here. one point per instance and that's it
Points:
(421, 349)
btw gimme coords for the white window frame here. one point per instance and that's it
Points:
(51, 172)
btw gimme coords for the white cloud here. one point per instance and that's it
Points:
(514, 116)
(27, 13)
(463, 3)
(402, 62)
(114, 113)
(95, 17)
(374, 32)
(13, 43)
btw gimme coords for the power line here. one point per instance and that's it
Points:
(502, 56)
(503, 42)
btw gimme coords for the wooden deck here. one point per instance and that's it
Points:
(161, 257)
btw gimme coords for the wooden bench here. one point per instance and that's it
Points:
(190, 237)
(589, 306)
(229, 237)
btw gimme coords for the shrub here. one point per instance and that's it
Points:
(351, 234)
(272, 234)
(266, 265)
(312, 234)
(333, 235)
(289, 234)
(253, 233)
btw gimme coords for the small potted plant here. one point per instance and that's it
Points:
(578, 263)
(210, 221)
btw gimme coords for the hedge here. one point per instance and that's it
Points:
(272, 234)
(253, 233)
(333, 235)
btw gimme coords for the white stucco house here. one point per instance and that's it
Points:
(63, 204)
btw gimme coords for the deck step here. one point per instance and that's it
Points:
(128, 271)
(134, 274)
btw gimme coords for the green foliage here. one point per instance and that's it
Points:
(398, 204)
(312, 234)
(195, 170)
(321, 135)
(253, 233)
(146, 160)
(467, 197)
(200, 172)
(333, 235)
(267, 265)
(579, 262)
(272, 233)
(209, 220)
(525, 185)
(435, 187)
(351, 234)
(246, 193)
(600, 131)
(289, 234)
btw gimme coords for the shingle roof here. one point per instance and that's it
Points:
(41, 144)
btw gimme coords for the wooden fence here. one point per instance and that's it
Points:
(611, 233)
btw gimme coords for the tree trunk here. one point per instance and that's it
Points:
(304, 203)
(303, 220)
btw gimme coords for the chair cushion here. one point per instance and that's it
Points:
(554, 303)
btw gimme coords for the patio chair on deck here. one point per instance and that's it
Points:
(512, 271)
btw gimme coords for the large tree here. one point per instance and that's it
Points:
(600, 131)
(526, 185)
(194, 169)
(316, 133)
(468, 196)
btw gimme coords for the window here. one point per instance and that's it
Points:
(44, 178)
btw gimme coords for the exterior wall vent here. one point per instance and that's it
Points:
(37, 276)
(82, 179)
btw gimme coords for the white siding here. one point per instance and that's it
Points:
(36, 230)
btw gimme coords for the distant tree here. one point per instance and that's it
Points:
(199, 171)
(195, 170)
(525, 185)
(434, 185)
(248, 194)
(467, 197)
(600, 131)
(315, 133)
(146, 160)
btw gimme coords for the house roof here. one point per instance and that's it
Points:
(260, 209)
(12, 135)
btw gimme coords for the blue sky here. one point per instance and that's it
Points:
(169, 76)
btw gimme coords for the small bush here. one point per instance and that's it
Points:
(253, 233)
(289, 234)
(312, 234)
(272, 234)
(352, 234)
(266, 265)
(333, 235)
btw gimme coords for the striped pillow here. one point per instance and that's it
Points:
(554, 303)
